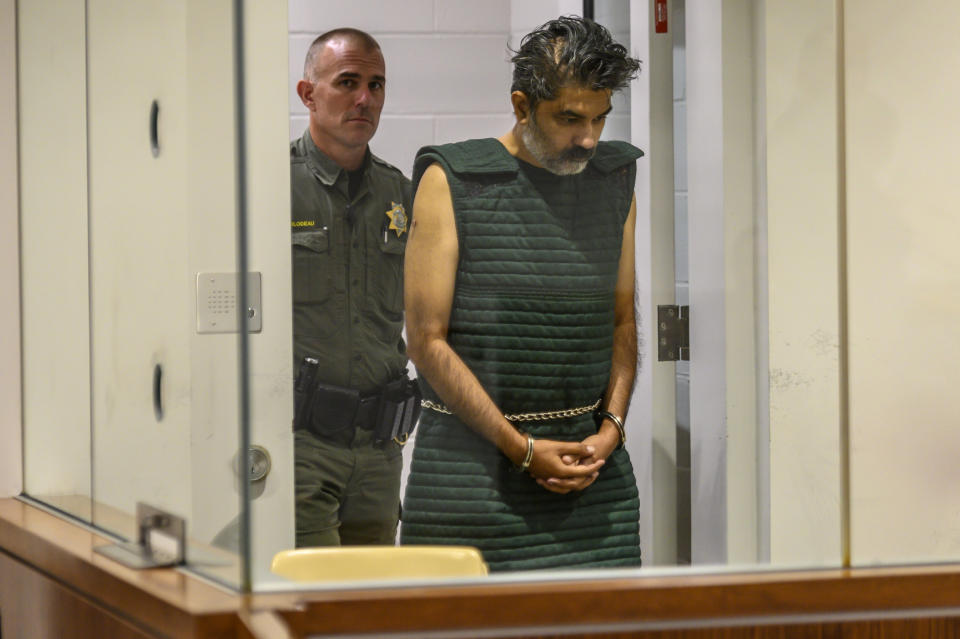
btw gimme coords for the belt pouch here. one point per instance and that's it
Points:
(333, 409)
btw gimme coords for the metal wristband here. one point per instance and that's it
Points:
(526, 460)
(605, 414)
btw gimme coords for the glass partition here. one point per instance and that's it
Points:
(55, 281)
(750, 465)
(129, 243)
(767, 202)
(718, 487)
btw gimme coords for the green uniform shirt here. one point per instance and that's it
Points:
(348, 267)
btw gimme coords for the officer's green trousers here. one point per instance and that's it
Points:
(347, 489)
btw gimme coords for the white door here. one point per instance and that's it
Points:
(651, 422)
(699, 479)
(163, 185)
(140, 303)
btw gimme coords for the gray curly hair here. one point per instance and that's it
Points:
(570, 50)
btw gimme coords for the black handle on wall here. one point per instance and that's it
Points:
(154, 128)
(158, 391)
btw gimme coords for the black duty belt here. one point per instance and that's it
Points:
(327, 410)
(367, 410)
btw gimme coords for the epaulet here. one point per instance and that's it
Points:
(614, 154)
(295, 153)
(386, 164)
(470, 157)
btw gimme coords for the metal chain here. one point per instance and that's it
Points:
(440, 408)
(525, 417)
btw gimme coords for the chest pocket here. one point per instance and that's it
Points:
(385, 281)
(312, 270)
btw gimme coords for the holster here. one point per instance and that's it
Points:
(399, 411)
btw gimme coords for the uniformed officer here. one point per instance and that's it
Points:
(349, 230)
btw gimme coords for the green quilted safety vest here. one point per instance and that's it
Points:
(533, 318)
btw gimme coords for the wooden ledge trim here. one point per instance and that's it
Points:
(187, 607)
(692, 600)
(164, 599)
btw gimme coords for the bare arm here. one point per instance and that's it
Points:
(429, 278)
(623, 366)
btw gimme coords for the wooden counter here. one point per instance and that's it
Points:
(52, 584)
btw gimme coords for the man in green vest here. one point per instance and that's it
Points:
(520, 320)
(354, 404)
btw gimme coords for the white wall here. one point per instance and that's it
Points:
(448, 69)
(11, 461)
(448, 75)
(615, 16)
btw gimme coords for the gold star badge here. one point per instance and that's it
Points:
(398, 218)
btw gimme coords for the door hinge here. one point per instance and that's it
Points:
(673, 333)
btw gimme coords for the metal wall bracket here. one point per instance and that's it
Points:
(673, 333)
(161, 541)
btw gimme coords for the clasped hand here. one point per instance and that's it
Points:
(561, 467)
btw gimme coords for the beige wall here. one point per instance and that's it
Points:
(10, 444)
(902, 98)
(802, 192)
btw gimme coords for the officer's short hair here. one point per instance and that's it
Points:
(346, 33)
